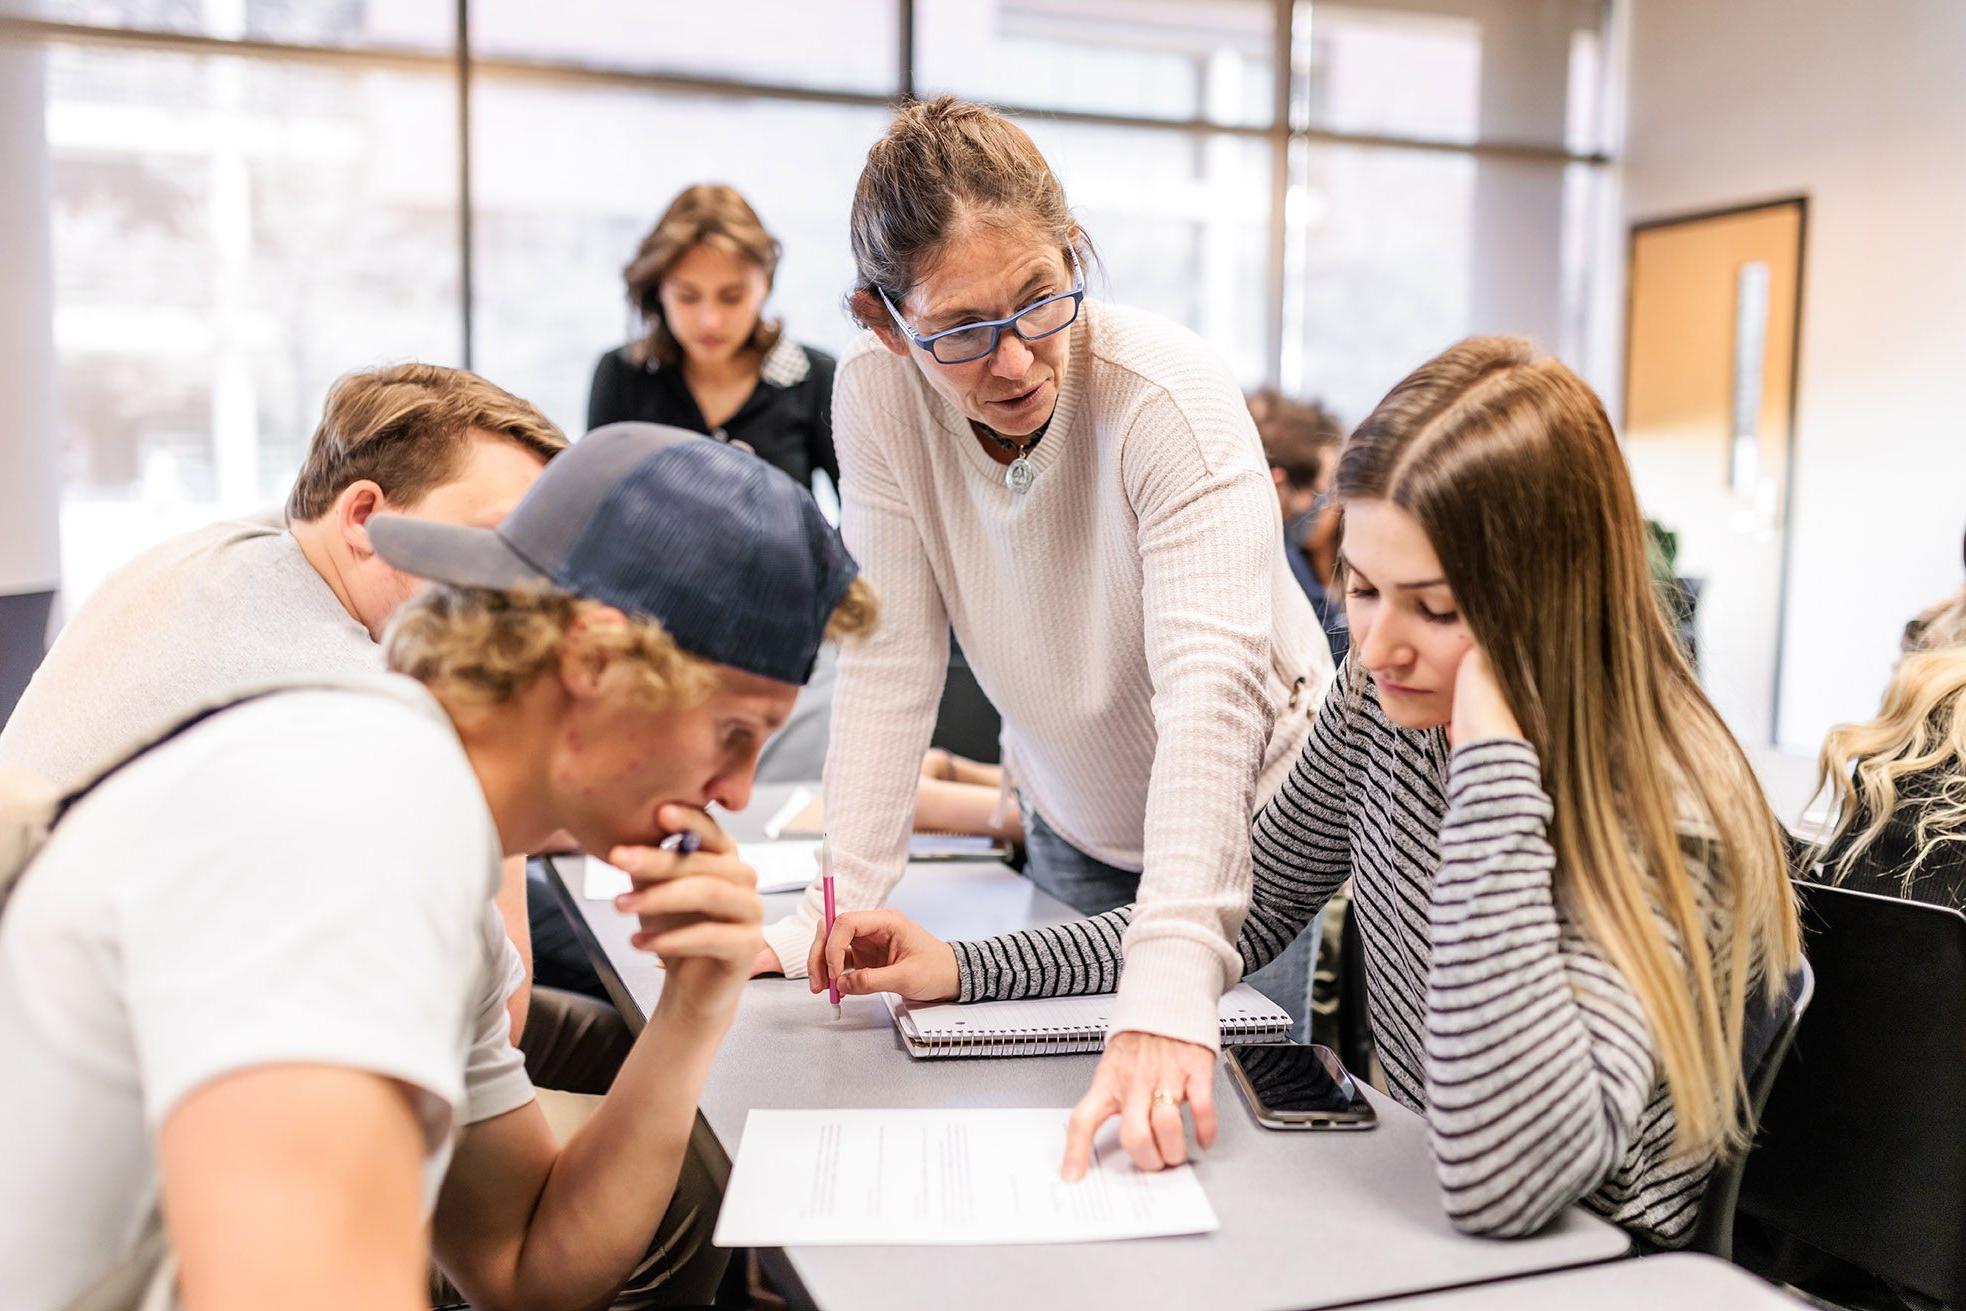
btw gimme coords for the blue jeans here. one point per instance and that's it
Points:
(1092, 887)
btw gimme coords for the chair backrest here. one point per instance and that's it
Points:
(1862, 1152)
(1768, 1033)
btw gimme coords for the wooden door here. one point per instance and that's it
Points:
(1714, 313)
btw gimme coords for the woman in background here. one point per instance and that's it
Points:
(1899, 781)
(709, 360)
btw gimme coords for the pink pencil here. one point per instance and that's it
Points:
(826, 882)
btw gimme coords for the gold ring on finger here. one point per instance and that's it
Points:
(1165, 1097)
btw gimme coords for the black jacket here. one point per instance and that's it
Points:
(1881, 868)
(787, 420)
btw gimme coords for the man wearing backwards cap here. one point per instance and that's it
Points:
(294, 1030)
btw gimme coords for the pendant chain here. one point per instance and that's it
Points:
(1018, 449)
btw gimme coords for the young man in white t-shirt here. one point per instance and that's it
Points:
(286, 1019)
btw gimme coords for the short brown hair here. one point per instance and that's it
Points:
(406, 427)
(707, 214)
(941, 164)
(1298, 436)
(475, 647)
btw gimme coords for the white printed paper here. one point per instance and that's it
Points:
(941, 1177)
(781, 867)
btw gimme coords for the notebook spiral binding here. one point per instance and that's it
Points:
(1051, 1042)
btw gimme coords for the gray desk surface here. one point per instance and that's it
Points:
(1307, 1219)
(1680, 1279)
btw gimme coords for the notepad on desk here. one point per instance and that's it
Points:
(1045, 1026)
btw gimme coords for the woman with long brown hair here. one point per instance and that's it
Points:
(1569, 886)
(709, 360)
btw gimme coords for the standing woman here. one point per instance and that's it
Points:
(1570, 890)
(710, 361)
(1077, 490)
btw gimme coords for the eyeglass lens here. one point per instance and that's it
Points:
(1041, 320)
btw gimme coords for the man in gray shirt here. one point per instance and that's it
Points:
(295, 595)
(280, 597)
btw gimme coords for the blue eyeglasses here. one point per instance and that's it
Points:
(972, 341)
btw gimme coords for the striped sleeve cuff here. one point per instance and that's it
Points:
(975, 980)
(1500, 773)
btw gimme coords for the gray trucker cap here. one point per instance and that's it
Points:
(726, 552)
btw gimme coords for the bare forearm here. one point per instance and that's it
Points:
(942, 807)
(295, 1168)
(612, 1182)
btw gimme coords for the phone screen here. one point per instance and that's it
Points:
(1300, 1079)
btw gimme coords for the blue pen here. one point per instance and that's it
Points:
(683, 843)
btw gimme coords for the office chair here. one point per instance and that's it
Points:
(1769, 1033)
(1862, 1151)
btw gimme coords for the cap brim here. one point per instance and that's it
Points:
(451, 553)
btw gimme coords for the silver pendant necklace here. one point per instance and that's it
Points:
(1018, 475)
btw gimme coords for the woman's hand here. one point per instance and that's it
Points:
(700, 913)
(1143, 1078)
(882, 951)
(1480, 709)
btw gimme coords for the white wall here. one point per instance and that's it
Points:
(28, 447)
(1861, 108)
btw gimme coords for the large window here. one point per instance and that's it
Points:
(212, 276)
(250, 197)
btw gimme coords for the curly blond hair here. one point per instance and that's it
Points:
(476, 648)
(1912, 755)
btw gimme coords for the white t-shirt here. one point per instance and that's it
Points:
(305, 878)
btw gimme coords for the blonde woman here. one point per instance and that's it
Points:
(1899, 782)
(708, 359)
(1569, 887)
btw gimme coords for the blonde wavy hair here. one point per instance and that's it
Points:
(1508, 462)
(1919, 733)
(477, 648)
(1940, 625)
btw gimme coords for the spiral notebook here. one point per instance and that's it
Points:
(1043, 1026)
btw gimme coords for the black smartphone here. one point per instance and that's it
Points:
(1291, 1085)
